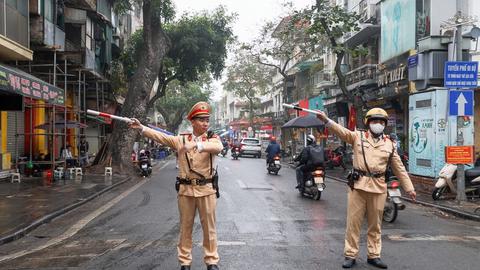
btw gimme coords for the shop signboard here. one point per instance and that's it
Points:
(431, 130)
(24, 84)
(460, 154)
(316, 103)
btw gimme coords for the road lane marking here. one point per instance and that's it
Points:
(448, 238)
(77, 226)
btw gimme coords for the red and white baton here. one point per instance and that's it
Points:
(290, 106)
(110, 116)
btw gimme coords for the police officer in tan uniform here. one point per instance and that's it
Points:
(196, 154)
(372, 151)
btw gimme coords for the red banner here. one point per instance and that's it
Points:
(352, 118)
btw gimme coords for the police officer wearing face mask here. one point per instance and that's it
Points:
(372, 153)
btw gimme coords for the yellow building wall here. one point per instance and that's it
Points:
(39, 141)
(3, 128)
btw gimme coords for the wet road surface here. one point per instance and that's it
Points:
(262, 223)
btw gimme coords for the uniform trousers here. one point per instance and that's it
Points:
(188, 206)
(360, 203)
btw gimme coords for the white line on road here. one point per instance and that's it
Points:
(77, 226)
(449, 238)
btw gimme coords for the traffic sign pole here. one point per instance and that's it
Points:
(460, 168)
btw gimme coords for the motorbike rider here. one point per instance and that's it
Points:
(304, 158)
(273, 149)
(143, 156)
(225, 144)
(372, 154)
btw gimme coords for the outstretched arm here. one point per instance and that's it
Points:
(343, 133)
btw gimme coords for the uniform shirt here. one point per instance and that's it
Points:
(377, 154)
(199, 159)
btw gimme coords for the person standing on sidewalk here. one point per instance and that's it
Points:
(373, 152)
(83, 151)
(195, 185)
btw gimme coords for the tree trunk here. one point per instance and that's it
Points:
(140, 86)
(250, 114)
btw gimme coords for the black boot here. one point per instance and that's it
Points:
(377, 262)
(348, 262)
(212, 267)
(185, 267)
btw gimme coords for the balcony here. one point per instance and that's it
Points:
(14, 33)
(363, 76)
(46, 34)
(90, 5)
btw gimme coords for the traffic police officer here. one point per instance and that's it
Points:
(372, 152)
(196, 154)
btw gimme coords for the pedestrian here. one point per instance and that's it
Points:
(196, 185)
(83, 150)
(373, 152)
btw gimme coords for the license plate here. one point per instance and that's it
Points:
(277, 162)
(318, 180)
(144, 166)
(394, 192)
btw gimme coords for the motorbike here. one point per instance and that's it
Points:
(274, 165)
(235, 152)
(393, 202)
(145, 167)
(314, 184)
(446, 181)
(224, 151)
(335, 158)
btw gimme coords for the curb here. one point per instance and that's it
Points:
(456, 212)
(47, 218)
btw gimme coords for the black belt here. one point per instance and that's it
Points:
(374, 175)
(194, 182)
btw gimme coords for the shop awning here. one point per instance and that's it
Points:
(19, 82)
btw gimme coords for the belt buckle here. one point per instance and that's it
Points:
(194, 182)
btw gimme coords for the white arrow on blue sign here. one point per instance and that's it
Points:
(461, 103)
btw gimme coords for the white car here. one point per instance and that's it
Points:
(251, 146)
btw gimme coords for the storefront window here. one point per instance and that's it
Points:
(423, 18)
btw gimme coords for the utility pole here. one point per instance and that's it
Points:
(459, 57)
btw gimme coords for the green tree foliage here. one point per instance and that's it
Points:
(248, 80)
(199, 45)
(327, 24)
(280, 41)
(179, 98)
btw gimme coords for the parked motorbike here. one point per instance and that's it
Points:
(447, 181)
(235, 152)
(274, 165)
(314, 184)
(393, 202)
(224, 151)
(335, 158)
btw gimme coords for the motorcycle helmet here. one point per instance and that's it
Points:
(376, 114)
(142, 152)
(310, 139)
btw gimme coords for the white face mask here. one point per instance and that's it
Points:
(377, 128)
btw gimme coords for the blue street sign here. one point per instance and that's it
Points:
(413, 61)
(461, 74)
(461, 103)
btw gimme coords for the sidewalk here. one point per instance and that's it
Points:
(35, 201)
(468, 210)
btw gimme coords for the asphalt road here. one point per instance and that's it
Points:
(262, 223)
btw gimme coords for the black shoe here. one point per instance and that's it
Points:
(212, 267)
(377, 262)
(185, 267)
(348, 262)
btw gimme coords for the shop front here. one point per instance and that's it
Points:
(26, 103)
